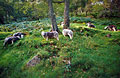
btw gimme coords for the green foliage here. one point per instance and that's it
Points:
(80, 19)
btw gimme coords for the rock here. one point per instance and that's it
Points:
(35, 60)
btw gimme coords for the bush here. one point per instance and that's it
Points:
(80, 19)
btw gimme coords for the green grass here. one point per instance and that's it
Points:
(92, 54)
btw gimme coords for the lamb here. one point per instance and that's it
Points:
(49, 35)
(111, 28)
(90, 25)
(10, 40)
(21, 35)
(68, 32)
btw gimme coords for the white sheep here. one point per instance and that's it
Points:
(48, 35)
(68, 32)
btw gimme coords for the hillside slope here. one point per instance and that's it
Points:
(90, 52)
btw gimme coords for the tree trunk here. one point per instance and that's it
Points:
(1, 20)
(66, 15)
(52, 16)
(86, 12)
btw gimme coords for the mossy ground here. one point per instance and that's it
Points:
(92, 54)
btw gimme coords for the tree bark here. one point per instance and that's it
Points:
(52, 16)
(66, 15)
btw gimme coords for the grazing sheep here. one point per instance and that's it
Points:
(48, 35)
(111, 28)
(10, 40)
(90, 25)
(21, 35)
(67, 32)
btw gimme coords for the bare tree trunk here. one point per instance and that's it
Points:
(1, 19)
(52, 16)
(66, 15)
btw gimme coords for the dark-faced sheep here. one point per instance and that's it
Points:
(90, 25)
(49, 35)
(10, 40)
(68, 32)
(21, 35)
(111, 28)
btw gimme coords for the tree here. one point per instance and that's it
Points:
(6, 10)
(52, 16)
(66, 15)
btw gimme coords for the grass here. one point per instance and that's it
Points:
(92, 54)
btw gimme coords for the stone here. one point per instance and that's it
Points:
(35, 60)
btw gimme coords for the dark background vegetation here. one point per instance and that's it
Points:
(20, 10)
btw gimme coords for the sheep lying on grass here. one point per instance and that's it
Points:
(10, 40)
(49, 35)
(21, 35)
(111, 28)
(68, 32)
(90, 25)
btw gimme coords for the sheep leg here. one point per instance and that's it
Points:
(12, 41)
(63, 34)
(114, 29)
(58, 38)
(47, 38)
(4, 43)
(70, 36)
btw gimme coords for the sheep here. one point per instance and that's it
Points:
(111, 28)
(21, 35)
(48, 35)
(68, 32)
(90, 25)
(10, 40)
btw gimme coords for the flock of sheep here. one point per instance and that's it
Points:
(52, 34)
(110, 27)
(46, 35)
